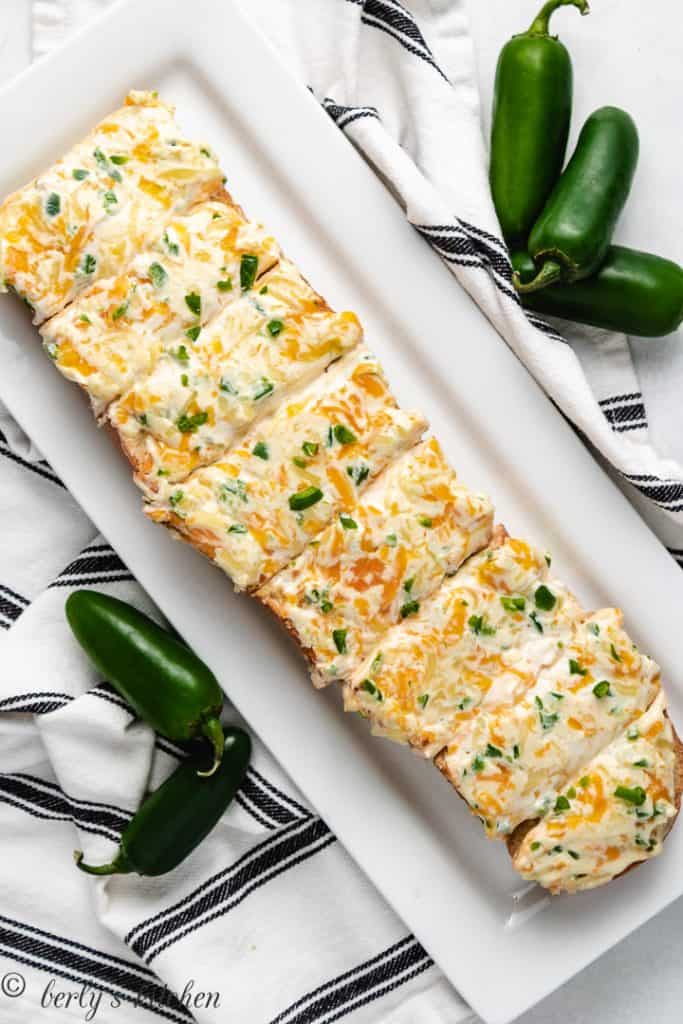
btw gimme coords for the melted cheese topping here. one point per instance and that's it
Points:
(614, 813)
(257, 508)
(508, 763)
(201, 397)
(372, 567)
(113, 333)
(480, 642)
(91, 212)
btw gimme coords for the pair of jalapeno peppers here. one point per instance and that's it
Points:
(559, 226)
(169, 687)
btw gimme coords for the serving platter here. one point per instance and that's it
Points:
(289, 166)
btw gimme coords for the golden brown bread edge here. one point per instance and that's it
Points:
(515, 840)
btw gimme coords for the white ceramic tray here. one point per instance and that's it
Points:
(290, 166)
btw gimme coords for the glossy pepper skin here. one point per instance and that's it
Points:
(178, 815)
(531, 113)
(570, 239)
(166, 684)
(633, 292)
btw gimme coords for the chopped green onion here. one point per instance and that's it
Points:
(275, 327)
(479, 627)
(513, 604)
(190, 424)
(193, 301)
(260, 450)
(537, 624)
(545, 599)
(339, 637)
(344, 435)
(636, 796)
(304, 499)
(358, 474)
(157, 274)
(263, 389)
(602, 689)
(53, 204)
(409, 608)
(248, 269)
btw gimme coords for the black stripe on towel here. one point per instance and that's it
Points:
(219, 895)
(122, 979)
(359, 986)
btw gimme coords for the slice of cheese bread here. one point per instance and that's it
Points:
(255, 510)
(509, 763)
(205, 392)
(613, 814)
(374, 565)
(112, 335)
(90, 213)
(479, 642)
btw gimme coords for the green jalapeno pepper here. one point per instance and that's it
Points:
(633, 292)
(570, 239)
(172, 822)
(161, 678)
(531, 113)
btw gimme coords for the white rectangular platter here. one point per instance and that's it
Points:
(288, 165)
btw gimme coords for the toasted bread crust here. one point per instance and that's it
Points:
(307, 652)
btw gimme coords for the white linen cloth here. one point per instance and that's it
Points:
(269, 914)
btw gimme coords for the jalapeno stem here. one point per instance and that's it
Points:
(540, 26)
(118, 866)
(550, 273)
(213, 730)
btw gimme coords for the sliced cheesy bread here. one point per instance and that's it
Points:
(203, 394)
(374, 565)
(113, 333)
(613, 814)
(256, 509)
(88, 215)
(480, 641)
(510, 762)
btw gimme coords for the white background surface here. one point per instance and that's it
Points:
(627, 53)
